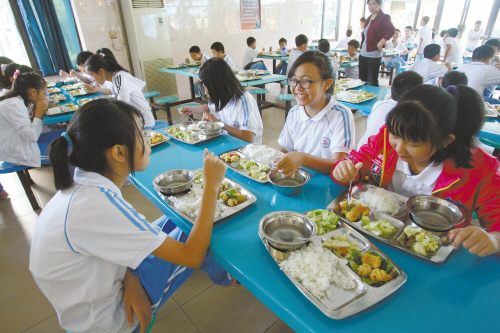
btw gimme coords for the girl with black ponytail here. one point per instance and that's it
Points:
(104, 67)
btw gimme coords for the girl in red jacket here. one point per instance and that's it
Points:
(426, 148)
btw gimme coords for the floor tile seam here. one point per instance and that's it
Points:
(192, 322)
(272, 325)
(198, 294)
(55, 314)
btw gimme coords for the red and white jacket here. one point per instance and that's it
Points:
(475, 190)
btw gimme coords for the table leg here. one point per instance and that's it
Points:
(274, 66)
(27, 189)
(191, 86)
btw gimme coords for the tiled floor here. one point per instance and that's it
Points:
(198, 306)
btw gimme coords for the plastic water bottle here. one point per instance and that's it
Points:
(283, 51)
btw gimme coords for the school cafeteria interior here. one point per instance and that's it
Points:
(162, 47)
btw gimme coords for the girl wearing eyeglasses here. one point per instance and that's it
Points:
(229, 102)
(318, 131)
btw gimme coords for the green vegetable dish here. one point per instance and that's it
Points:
(420, 241)
(380, 227)
(325, 221)
(256, 171)
(198, 178)
(341, 246)
(372, 268)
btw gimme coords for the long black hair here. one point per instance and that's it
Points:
(429, 114)
(96, 127)
(223, 86)
(321, 61)
(106, 62)
(23, 83)
(4, 82)
(82, 57)
(12, 68)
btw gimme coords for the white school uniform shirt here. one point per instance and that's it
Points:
(294, 54)
(443, 46)
(84, 240)
(18, 134)
(376, 119)
(335, 64)
(428, 69)
(330, 131)
(229, 61)
(3, 91)
(107, 85)
(242, 114)
(426, 35)
(353, 71)
(129, 89)
(343, 43)
(481, 76)
(88, 76)
(408, 185)
(401, 48)
(249, 55)
(455, 54)
(409, 40)
(471, 45)
(204, 57)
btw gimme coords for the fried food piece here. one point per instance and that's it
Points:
(378, 275)
(240, 197)
(224, 197)
(226, 157)
(373, 261)
(344, 204)
(235, 158)
(232, 202)
(352, 215)
(364, 270)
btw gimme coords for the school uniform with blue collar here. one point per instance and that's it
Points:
(330, 131)
(84, 241)
(481, 77)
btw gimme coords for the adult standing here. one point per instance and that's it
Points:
(378, 30)
(424, 38)
(475, 37)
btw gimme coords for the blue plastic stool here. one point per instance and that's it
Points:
(188, 104)
(167, 100)
(159, 124)
(24, 177)
(287, 98)
(150, 95)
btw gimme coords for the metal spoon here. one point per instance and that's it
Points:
(288, 236)
(349, 193)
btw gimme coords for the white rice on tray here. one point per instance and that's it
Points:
(261, 153)
(316, 269)
(190, 204)
(380, 199)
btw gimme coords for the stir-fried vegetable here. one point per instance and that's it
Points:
(380, 227)
(325, 221)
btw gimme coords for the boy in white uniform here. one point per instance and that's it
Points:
(343, 43)
(197, 55)
(396, 61)
(324, 47)
(482, 77)
(401, 84)
(453, 52)
(252, 53)
(428, 68)
(301, 46)
(352, 72)
(495, 44)
(424, 38)
(475, 36)
(218, 52)
(408, 38)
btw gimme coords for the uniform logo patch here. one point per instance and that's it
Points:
(325, 142)
(235, 124)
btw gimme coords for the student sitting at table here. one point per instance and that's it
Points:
(250, 54)
(4, 62)
(324, 47)
(343, 42)
(218, 52)
(229, 102)
(352, 72)
(402, 83)
(453, 78)
(124, 86)
(495, 44)
(426, 148)
(428, 67)
(482, 77)
(102, 266)
(197, 55)
(415, 34)
(301, 46)
(282, 65)
(395, 61)
(12, 71)
(408, 38)
(453, 52)
(18, 133)
(319, 130)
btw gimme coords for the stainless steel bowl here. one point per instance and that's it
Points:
(434, 214)
(272, 225)
(212, 127)
(174, 181)
(289, 185)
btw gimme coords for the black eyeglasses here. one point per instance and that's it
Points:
(305, 84)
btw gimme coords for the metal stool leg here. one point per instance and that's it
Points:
(169, 115)
(390, 78)
(28, 177)
(153, 109)
(27, 189)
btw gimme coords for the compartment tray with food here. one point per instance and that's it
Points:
(182, 133)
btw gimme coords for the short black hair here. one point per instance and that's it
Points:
(321, 61)
(398, 30)
(324, 46)
(354, 43)
(426, 19)
(301, 40)
(282, 40)
(82, 57)
(194, 49)
(250, 41)
(493, 42)
(409, 27)
(454, 78)
(404, 82)
(348, 33)
(479, 22)
(442, 33)
(483, 53)
(362, 19)
(415, 30)
(453, 32)
(379, 2)
(431, 50)
(217, 46)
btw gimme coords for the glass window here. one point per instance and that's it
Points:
(401, 16)
(11, 43)
(330, 20)
(496, 29)
(356, 15)
(478, 11)
(429, 8)
(452, 12)
(317, 18)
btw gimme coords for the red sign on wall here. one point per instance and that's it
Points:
(250, 14)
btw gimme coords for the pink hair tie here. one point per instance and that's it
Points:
(101, 54)
(16, 73)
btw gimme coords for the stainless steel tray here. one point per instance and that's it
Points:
(150, 133)
(245, 173)
(490, 111)
(183, 127)
(348, 87)
(347, 303)
(350, 101)
(400, 223)
(226, 210)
